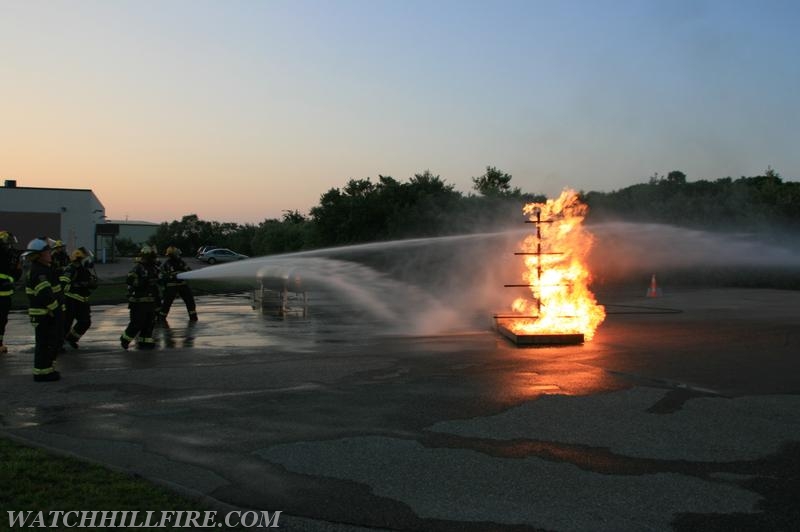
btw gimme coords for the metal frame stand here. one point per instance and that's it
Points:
(282, 302)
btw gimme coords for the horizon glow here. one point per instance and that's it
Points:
(237, 111)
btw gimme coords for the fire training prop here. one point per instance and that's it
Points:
(562, 310)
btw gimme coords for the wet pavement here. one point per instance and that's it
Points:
(683, 413)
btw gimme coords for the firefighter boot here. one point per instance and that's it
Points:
(47, 377)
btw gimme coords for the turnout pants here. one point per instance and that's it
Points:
(48, 342)
(170, 291)
(142, 322)
(80, 313)
(5, 308)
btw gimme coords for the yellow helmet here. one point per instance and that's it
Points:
(57, 244)
(77, 255)
(6, 238)
(172, 251)
(83, 255)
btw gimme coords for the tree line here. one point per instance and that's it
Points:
(364, 210)
(755, 204)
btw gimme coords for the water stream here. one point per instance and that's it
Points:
(455, 283)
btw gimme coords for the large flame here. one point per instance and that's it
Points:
(555, 257)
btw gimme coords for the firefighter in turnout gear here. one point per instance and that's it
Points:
(44, 309)
(10, 272)
(79, 280)
(58, 256)
(142, 300)
(58, 261)
(174, 286)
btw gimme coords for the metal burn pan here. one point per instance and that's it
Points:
(548, 339)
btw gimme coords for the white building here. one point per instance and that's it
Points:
(137, 231)
(69, 215)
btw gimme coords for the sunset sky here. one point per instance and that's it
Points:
(238, 110)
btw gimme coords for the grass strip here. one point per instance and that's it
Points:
(33, 480)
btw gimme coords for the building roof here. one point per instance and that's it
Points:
(131, 222)
(16, 187)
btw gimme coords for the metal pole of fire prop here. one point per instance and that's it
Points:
(539, 339)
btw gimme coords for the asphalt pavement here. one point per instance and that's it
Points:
(683, 413)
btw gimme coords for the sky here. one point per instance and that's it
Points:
(240, 110)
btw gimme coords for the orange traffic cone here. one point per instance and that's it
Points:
(653, 291)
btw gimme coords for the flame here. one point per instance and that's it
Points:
(557, 272)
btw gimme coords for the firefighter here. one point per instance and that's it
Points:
(159, 290)
(79, 280)
(174, 286)
(142, 299)
(58, 261)
(58, 257)
(10, 272)
(44, 309)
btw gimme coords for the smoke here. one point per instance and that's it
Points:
(624, 249)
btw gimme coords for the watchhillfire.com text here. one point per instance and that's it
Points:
(148, 519)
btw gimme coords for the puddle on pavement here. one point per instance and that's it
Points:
(225, 321)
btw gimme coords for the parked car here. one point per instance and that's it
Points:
(213, 256)
(203, 249)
